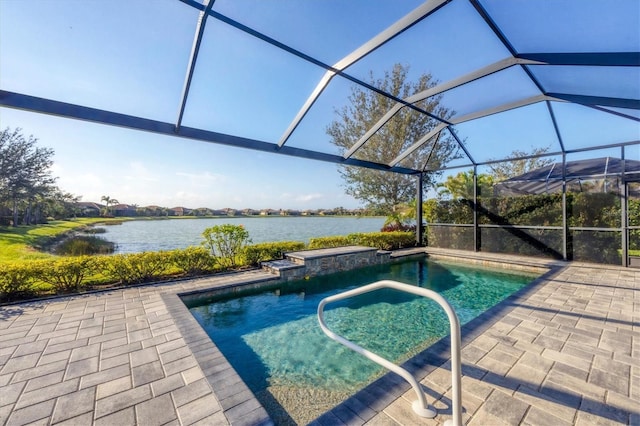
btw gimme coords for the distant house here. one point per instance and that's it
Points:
(268, 212)
(89, 209)
(250, 212)
(179, 211)
(155, 211)
(123, 210)
(289, 212)
(203, 211)
(230, 212)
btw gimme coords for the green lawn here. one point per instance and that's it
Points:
(20, 243)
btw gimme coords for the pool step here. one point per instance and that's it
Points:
(285, 268)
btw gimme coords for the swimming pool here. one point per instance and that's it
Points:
(272, 338)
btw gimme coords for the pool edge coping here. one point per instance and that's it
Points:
(239, 405)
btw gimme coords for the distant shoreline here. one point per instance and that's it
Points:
(129, 218)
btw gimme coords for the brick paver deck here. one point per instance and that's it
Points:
(564, 351)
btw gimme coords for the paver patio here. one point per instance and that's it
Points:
(566, 350)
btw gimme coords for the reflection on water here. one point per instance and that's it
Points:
(154, 235)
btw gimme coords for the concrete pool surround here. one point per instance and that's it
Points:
(561, 351)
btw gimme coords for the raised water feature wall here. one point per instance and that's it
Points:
(309, 263)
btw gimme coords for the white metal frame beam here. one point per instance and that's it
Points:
(472, 116)
(195, 49)
(392, 31)
(436, 90)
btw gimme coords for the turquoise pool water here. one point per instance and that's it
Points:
(273, 340)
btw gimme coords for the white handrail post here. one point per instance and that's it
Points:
(420, 406)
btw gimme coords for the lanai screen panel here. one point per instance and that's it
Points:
(270, 75)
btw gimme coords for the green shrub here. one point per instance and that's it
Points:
(16, 279)
(263, 252)
(384, 240)
(192, 260)
(66, 274)
(135, 267)
(226, 242)
(380, 240)
(330, 242)
(82, 245)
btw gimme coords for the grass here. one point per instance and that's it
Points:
(23, 243)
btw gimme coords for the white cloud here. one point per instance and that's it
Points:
(309, 197)
(203, 178)
(56, 169)
(139, 172)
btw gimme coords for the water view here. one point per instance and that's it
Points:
(154, 235)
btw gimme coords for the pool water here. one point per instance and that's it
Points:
(272, 337)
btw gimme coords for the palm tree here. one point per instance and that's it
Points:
(108, 201)
(401, 216)
(461, 185)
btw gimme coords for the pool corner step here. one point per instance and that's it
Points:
(284, 268)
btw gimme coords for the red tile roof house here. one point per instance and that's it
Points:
(179, 211)
(122, 210)
(89, 209)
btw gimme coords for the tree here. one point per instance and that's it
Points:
(380, 189)
(25, 173)
(61, 205)
(226, 242)
(401, 217)
(518, 166)
(461, 185)
(108, 201)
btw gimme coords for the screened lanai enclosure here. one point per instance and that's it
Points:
(555, 81)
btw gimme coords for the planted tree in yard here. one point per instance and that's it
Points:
(461, 186)
(380, 189)
(226, 242)
(108, 201)
(25, 171)
(63, 204)
(402, 218)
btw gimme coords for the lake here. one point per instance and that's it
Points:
(168, 234)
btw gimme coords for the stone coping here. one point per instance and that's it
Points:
(328, 252)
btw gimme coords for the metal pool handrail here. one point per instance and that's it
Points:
(420, 406)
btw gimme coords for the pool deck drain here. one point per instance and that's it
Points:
(563, 351)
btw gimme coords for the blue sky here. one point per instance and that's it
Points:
(131, 56)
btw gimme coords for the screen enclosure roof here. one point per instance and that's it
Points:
(551, 178)
(560, 75)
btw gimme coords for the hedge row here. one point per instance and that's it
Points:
(379, 240)
(73, 274)
(263, 252)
